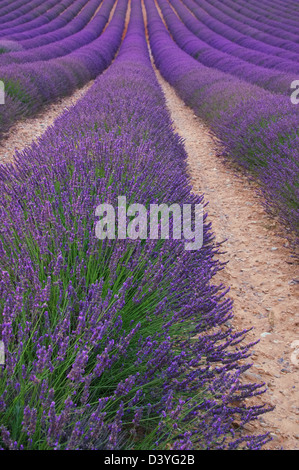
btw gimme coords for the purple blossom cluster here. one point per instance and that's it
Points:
(257, 128)
(28, 86)
(114, 344)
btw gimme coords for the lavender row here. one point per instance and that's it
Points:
(29, 86)
(257, 128)
(113, 343)
(53, 16)
(232, 30)
(273, 11)
(275, 18)
(287, 62)
(26, 12)
(251, 32)
(66, 45)
(7, 6)
(15, 8)
(253, 20)
(277, 81)
(74, 19)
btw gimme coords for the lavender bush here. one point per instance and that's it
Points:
(113, 344)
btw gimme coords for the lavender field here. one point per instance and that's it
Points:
(128, 342)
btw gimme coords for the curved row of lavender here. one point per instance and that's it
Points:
(268, 17)
(279, 29)
(70, 22)
(286, 61)
(113, 343)
(9, 5)
(55, 18)
(282, 27)
(233, 30)
(255, 51)
(66, 45)
(252, 32)
(26, 12)
(226, 56)
(15, 8)
(29, 86)
(257, 128)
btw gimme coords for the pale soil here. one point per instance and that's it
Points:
(261, 280)
(25, 131)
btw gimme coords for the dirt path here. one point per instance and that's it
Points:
(262, 281)
(25, 131)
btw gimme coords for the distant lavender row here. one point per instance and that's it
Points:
(15, 8)
(257, 128)
(70, 22)
(66, 45)
(283, 13)
(52, 16)
(259, 20)
(29, 86)
(7, 6)
(277, 81)
(233, 30)
(113, 344)
(26, 12)
(286, 62)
